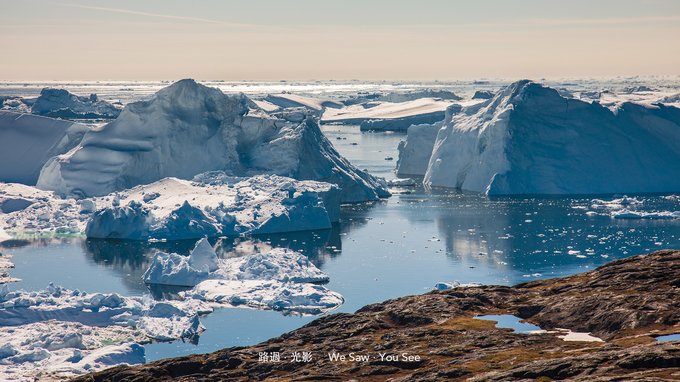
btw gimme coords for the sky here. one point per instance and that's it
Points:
(337, 40)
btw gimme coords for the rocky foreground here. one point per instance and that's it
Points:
(626, 303)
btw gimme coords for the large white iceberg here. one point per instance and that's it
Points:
(215, 205)
(28, 141)
(187, 129)
(528, 139)
(60, 103)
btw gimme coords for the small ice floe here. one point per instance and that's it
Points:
(278, 279)
(5, 265)
(669, 338)
(401, 182)
(446, 285)
(299, 298)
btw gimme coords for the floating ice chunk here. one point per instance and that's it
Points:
(446, 285)
(483, 94)
(203, 256)
(216, 205)
(401, 182)
(301, 298)
(60, 103)
(173, 269)
(277, 264)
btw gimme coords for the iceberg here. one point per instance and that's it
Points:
(389, 116)
(278, 279)
(528, 139)
(278, 264)
(60, 103)
(215, 205)
(482, 94)
(289, 100)
(296, 298)
(28, 141)
(404, 96)
(186, 129)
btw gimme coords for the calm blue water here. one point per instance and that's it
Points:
(508, 321)
(387, 249)
(668, 338)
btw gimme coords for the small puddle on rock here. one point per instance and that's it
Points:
(669, 337)
(508, 321)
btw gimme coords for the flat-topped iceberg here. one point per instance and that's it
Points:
(528, 139)
(187, 129)
(389, 115)
(28, 141)
(60, 103)
(215, 205)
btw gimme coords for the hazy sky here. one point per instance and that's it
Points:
(342, 39)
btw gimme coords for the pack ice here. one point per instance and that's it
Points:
(278, 279)
(187, 129)
(57, 332)
(528, 139)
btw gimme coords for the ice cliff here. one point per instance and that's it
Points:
(28, 141)
(528, 139)
(187, 129)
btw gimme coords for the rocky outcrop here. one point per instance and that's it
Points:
(627, 303)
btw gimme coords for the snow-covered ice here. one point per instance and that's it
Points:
(278, 264)
(67, 332)
(529, 139)
(278, 279)
(290, 100)
(60, 103)
(389, 115)
(187, 129)
(215, 205)
(28, 141)
(299, 298)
